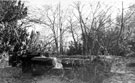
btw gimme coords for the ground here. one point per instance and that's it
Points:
(123, 73)
(120, 74)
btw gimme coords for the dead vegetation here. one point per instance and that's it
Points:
(94, 72)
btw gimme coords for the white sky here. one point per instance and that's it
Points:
(33, 4)
(116, 3)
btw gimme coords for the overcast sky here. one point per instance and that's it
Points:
(34, 4)
(39, 3)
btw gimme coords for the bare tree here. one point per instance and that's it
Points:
(53, 18)
(94, 23)
(77, 6)
(72, 31)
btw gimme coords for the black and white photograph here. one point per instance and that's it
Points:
(67, 41)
